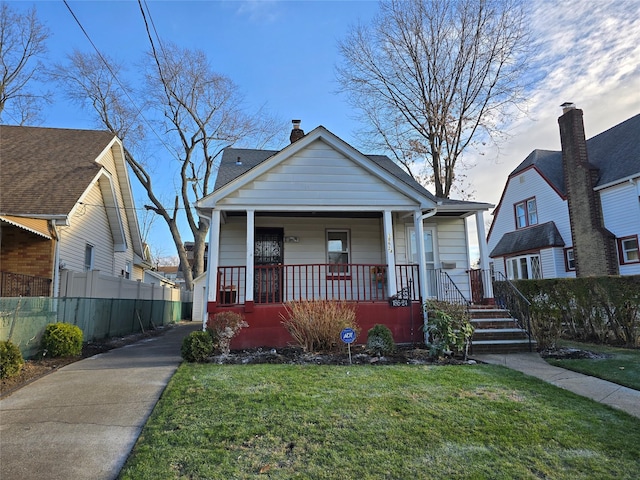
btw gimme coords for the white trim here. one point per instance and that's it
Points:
(319, 133)
(250, 273)
(631, 178)
(390, 253)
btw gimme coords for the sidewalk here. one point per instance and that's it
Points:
(616, 396)
(82, 421)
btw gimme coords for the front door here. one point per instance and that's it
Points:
(268, 260)
(429, 255)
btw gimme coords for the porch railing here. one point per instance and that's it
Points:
(283, 283)
(19, 285)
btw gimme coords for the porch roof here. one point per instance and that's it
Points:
(541, 236)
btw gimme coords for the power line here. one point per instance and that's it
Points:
(115, 77)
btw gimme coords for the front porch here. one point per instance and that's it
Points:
(367, 285)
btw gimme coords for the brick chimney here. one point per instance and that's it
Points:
(594, 246)
(296, 133)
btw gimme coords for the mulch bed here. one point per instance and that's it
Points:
(407, 355)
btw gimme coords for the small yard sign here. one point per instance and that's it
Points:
(348, 336)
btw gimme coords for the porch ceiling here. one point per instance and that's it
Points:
(342, 214)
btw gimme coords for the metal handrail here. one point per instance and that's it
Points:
(508, 296)
(448, 291)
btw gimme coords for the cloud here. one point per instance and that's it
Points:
(590, 55)
(259, 11)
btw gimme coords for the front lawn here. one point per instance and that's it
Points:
(373, 422)
(622, 367)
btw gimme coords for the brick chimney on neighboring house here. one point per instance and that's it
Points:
(594, 247)
(297, 133)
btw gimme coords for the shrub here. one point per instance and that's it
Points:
(449, 328)
(223, 327)
(316, 325)
(380, 340)
(62, 340)
(11, 360)
(197, 346)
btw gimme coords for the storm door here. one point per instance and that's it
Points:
(268, 260)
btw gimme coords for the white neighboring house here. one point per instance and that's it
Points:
(552, 225)
(66, 203)
(320, 220)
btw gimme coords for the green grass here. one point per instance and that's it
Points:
(393, 422)
(622, 368)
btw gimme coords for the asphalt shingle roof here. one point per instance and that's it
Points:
(544, 235)
(615, 152)
(44, 171)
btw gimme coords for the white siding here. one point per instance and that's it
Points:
(366, 239)
(88, 224)
(550, 207)
(621, 212)
(120, 258)
(318, 176)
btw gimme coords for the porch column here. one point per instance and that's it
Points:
(418, 225)
(213, 260)
(484, 256)
(248, 290)
(390, 253)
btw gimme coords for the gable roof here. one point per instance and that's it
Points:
(541, 236)
(231, 170)
(44, 171)
(614, 152)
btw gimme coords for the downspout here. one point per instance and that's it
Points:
(56, 260)
(422, 268)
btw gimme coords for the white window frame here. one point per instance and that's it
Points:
(628, 253)
(524, 267)
(127, 270)
(569, 259)
(332, 270)
(89, 257)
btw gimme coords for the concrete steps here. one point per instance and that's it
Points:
(497, 332)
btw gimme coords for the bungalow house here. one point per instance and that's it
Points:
(320, 220)
(574, 212)
(65, 203)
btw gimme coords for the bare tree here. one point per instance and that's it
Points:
(22, 40)
(431, 77)
(197, 113)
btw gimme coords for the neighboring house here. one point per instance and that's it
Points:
(550, 224)
(320, 220)
(65, 203)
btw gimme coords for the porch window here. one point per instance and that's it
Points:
(628, 250)
(526, 213)
(524, 267)
(569, 260)
(88, 257)
(338, 251)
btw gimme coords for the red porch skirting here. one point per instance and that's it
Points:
(266, 330)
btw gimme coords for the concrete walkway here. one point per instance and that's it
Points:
(616, 396)
(82, 421)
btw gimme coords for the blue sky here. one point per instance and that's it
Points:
(283, 53)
